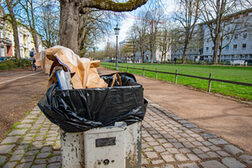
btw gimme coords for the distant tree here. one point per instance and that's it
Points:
(49, 24)
(177, 40)
(94, 24)
(11, 5)
(28, 8)
(164, 40)
(132, 44)
(153, 17)
(188, 15)
(139, 32)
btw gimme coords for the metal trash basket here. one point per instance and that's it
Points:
(116, 146)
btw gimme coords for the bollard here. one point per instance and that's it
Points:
(176, 78)
(143, 71)
(209, 83)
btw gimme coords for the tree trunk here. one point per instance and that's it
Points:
(35, 39)
(185, 52)
(14, 28)
(220, 54)
(15, 35)
(142, 55)
(216, 48)
(152, 55)
(34, 33)
(69, 25)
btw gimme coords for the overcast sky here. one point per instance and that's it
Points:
(125, 24)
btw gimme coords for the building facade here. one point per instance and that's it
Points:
(236, 45)
(7, 45)
(194, 49)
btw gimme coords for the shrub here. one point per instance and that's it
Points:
(14, 63)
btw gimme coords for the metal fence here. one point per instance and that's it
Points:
(176, 74)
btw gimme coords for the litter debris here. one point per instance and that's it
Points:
(78, 99)
(83, 71)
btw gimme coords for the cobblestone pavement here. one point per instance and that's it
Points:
(168, 142)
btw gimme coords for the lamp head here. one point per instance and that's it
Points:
(116, 29)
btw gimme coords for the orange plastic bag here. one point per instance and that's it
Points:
(84, 72)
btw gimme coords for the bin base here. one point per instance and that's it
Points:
(72, 149)
(113, 147)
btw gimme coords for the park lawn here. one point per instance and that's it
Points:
(239, 74)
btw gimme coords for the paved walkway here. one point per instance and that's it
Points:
(226, 118)
(168, 142)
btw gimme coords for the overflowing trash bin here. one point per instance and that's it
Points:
(100, 125)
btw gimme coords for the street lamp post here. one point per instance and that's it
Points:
(117, 29)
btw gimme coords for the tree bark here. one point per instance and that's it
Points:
(69, 25)
(216, 48)
(34, 33)
(15, 35)
(111, 5)
(35, 39)
(220, 55)
(14, 28)
(142, 55)
(152, 54)
(69, 16)
(185, 51)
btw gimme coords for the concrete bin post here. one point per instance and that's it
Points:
(116, 146)
(72, 152)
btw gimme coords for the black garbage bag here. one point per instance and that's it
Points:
(79, 110)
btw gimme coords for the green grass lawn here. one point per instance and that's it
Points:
(239, 74)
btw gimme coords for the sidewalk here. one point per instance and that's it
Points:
(168, 142)
(229, 119)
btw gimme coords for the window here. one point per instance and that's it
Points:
(212, 48)
(245, 35)
(2, 52)
(235, 46)
(207, 48)
(244, 46)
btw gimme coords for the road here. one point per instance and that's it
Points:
(20, 90)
